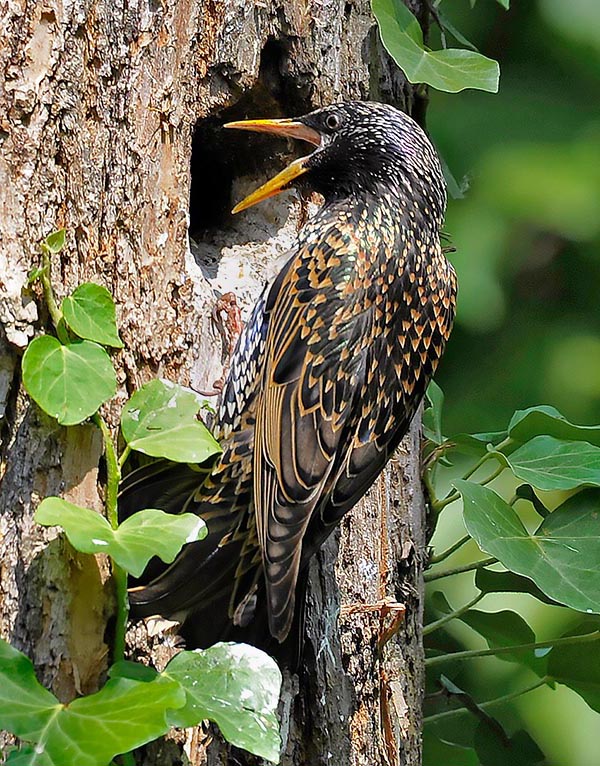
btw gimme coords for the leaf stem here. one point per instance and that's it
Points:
(53, 310)
(430, 576)
(452, 615)
(124, 455)
(471, 653)
(493, 475)
(113, 477)
(449, 551)
(439, 505)
(484, 705)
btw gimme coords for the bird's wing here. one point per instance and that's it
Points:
(392, 392)
(309, 376)
(398, 368)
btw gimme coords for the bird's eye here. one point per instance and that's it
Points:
(333, 121)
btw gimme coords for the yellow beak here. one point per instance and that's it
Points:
(284, 128)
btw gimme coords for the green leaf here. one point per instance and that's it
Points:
(91, 730)
(506, 628)
(140, 537)
(456, 34)
(475, 444)
(549, 463)
(432, 416)
(439, 602)
(561, 557)
(527, 492)
(90, 313)
(26, 756)
(477, 710)
(456, 189)
(578, 667)
(489, 581)
(504, 3)
(544, 420)
(69, 382)
(236, 686)
(55, 242)
(518, 750)
(133, 670)
(25, 706)
(436, 752)
(450, 70)
(160, 420)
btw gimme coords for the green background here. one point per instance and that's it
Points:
(527, 234)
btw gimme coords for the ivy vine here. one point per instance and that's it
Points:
(70, 376)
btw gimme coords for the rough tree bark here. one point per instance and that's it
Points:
(109, 127)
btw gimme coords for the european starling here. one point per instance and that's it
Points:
(325, 378)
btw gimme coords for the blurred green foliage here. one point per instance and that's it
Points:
(527, 238)
(527, 232)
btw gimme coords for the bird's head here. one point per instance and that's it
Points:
(361, 148)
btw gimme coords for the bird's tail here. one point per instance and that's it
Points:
(210, 579)
(215, 586)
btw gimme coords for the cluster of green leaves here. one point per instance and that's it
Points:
(237, 686)
(449, 69)
(554, 561)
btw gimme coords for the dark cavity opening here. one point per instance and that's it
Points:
(220, 156)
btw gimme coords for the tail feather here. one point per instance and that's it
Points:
(162, 484)
(215, 587)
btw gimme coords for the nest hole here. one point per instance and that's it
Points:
(220, 156)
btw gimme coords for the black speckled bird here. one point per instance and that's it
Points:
(325, 378)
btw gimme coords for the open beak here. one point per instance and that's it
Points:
(287, 129)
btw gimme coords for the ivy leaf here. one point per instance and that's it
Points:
(26, 756)
(25, 706)
(133, 670)
(561, 557)
(518, 750)
(450, 70)
(236, 686)
(90, 731)
(55, 242)
(439, 602)
(578, 667)
(491, 724)
(549, 463)
(160, 420)
(90, 313)
(506, 628)
(140, 537)
(437, 751)
(475, 444)
(69, 382)
(489, 581)
(544, 420)
(458, 36)
(527, 492)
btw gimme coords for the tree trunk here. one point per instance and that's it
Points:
(110, 128)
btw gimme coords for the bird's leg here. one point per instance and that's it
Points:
(227, 317)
